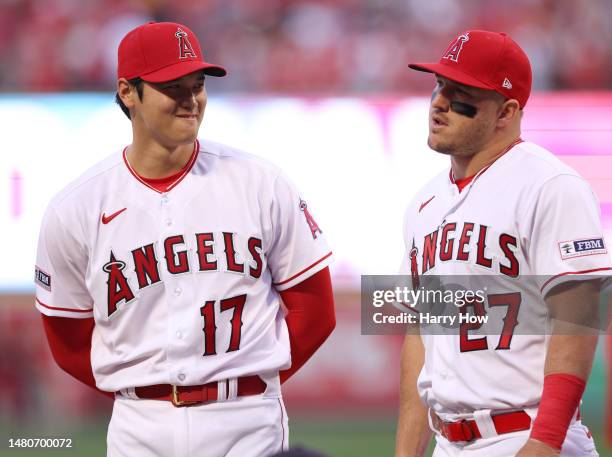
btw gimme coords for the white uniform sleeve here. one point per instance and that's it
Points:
(567, 238)
(404, 268)
(298, 249)
(407, 235)
(61, 263)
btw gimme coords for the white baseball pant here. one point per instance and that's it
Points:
(249, 426)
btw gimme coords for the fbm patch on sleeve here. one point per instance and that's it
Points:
(579, 248)
(42, 279)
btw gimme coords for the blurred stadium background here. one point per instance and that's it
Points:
(321, 88)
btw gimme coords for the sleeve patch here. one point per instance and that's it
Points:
(579, 248)
(314, 227)
(42, 279)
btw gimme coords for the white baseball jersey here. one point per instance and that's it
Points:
(522, 226)
(182, 284)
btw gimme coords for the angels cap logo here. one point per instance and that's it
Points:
(507, 84)
(452, 53)
(185, 48)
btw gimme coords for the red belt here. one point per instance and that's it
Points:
(467, 430)
(193, 395)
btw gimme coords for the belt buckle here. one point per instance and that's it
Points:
(178, 402)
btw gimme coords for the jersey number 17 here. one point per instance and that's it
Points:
(210, 326)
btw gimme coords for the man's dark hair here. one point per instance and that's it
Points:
(136, 82)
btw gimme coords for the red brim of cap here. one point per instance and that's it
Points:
(178, 70)
(450, 73)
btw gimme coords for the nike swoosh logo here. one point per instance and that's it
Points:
(424, 204)
(107, 219)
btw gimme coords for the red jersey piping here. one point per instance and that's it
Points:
(303, 271)
(473, 178)
(64, 309)
(185, 171)
(282, 425)
(583, 272)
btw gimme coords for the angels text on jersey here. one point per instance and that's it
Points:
(213, 252)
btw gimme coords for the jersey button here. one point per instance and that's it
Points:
(178, 291)
(168, 222)
(181, 377)
(164, 199)
(179, 335)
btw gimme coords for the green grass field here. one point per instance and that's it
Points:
(337, 438)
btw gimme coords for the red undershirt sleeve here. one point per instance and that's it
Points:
(70, 343)
(310, 319)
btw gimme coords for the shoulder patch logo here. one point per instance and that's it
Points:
(185, 48)
(42, 279)
(414, 267)
(314, 227)
(579, 248)
(452, 53)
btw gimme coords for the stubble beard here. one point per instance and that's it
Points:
(442, 148)
(467, 145)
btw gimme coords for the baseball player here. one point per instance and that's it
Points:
(160, 271)
(508, 211)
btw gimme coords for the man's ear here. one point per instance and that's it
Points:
(509, 111)
(127, 93)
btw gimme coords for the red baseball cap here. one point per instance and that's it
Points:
(162, 51)
(488, 60)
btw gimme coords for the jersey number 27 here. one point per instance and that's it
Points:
(512, 301)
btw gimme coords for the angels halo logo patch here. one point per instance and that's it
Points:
(314, 227)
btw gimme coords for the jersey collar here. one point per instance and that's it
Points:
(179, 176)
(462, 183)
